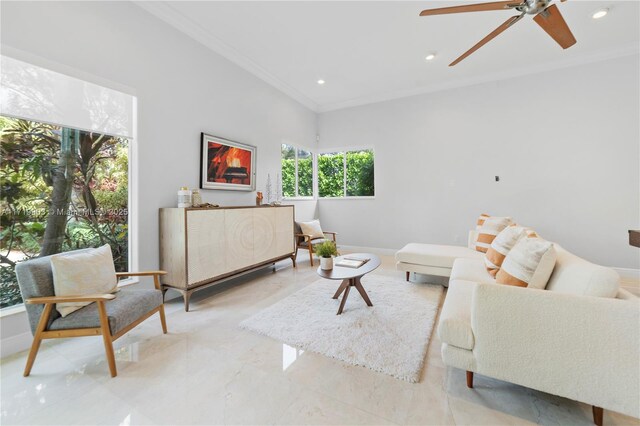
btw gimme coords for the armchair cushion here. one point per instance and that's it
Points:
(129, 305)
(36, 280)
(80, 273)
(313, 229)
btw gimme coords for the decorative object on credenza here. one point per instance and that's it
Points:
(184, 197)
(268, 192)
(226, 164)
(325, 252)
(278, 199)
(196, 198)
(259, 198)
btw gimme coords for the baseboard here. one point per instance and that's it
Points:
(15, 344)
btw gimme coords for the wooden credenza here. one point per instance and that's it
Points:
(203, 247)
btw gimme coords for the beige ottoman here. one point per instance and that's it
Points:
(432, 259)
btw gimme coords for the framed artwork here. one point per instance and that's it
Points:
(226, 164)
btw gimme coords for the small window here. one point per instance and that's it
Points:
(346, 174)
(297, 172)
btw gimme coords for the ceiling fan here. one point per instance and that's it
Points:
(546, 15)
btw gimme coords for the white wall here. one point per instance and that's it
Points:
(182, 89)
(564, 143)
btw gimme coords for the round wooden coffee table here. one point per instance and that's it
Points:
(351, 276)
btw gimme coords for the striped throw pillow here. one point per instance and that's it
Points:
(500, 247)
(529, 264)
(488, 231)
(481, 220)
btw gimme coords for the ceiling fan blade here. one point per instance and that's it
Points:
(509, 22)
(480, 7)
(553, 23)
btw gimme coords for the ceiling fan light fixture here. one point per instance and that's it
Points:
(600, 13)
(430, 57)
(321, 82)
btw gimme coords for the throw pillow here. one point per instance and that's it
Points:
(481, 220)
(529, 264)
(491, 227)
(500, 247)
(79, 274)
(312, 228)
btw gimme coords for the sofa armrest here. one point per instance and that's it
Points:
(579, 347)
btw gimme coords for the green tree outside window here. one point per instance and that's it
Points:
(349, 174)
(297, 172)
(62, 189)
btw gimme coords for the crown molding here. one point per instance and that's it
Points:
(603, 55)
(179, 21)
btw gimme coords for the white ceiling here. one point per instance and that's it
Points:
(368, 51)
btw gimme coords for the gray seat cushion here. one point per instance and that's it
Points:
(129, 305)
(313, 242)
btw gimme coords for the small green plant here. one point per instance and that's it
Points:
(326, 249)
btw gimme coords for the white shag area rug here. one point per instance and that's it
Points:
(391, 337)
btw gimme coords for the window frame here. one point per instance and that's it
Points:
(133, 169)
(344, 151)
(314, 171)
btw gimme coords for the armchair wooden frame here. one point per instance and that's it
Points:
(104, 330)
(305, 238)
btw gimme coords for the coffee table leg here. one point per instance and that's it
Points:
(344, 284)
(344, 299)
(365, 296)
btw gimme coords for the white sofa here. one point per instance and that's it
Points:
(579, 338)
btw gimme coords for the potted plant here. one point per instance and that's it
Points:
(325, 252)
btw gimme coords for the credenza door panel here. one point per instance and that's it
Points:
(238, 236)
(284, 231)
(206, 255)
(264, 235)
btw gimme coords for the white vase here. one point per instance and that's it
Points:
(326, 263)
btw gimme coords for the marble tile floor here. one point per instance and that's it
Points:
(209, 371)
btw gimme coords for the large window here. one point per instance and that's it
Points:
(297, 172)
(346, 174)
(62, 189)
(65, 148)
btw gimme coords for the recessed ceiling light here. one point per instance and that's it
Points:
(600, 13)
(430, 57)
(320, 82)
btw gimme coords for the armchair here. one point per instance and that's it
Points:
(111, 315)
(305, 241)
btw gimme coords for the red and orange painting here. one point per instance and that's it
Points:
(227, 164)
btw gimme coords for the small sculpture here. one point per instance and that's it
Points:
(268, 190)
